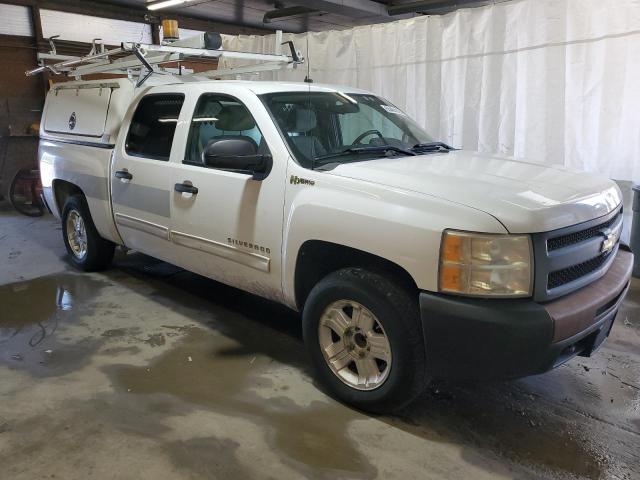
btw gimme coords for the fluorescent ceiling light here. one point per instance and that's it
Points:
(166, 3)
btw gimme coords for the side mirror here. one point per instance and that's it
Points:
(237, 155)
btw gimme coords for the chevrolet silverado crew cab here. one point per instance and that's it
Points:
(408, 259)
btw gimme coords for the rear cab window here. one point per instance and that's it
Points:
(153, 126)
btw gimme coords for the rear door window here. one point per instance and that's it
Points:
(154, 125)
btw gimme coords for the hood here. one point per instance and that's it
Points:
(525, 197)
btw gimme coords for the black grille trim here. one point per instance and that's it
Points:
(555, 275)
(568, 275)
(577, 237)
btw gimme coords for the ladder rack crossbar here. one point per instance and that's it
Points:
(73, 61)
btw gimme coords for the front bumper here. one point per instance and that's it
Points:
(495, 338)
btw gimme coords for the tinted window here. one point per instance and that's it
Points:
(219, 117)
(153, 126)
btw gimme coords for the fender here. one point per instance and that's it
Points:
(86, 168)
(399, 226)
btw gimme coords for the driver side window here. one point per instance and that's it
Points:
(216, 118)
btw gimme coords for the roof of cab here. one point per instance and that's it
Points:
(260, 87)
(271, 87)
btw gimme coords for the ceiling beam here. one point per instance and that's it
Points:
(347, 8)
(432, 6)
(288, 13)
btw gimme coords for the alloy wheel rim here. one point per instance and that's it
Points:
(354, 345)
(77, 234)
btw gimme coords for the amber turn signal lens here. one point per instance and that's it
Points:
(452, 249)
(451, 278)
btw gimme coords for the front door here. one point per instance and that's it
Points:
(231, 229)
(141, 187)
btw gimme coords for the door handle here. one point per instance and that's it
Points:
(186, 188)
(123, 175)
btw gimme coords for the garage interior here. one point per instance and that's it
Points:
(146, 370)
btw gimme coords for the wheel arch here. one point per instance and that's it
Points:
(62, 190)
(318, 258)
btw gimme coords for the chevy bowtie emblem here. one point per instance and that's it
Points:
(609, 241)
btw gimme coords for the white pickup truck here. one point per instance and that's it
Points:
(408, 259)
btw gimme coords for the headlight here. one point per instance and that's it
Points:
(485, 265)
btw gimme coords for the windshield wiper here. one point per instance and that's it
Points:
(431, 147)
(364, 150)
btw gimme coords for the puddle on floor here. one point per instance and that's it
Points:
(31, 314)
(205, 370)
(189, 455)
(209, 370)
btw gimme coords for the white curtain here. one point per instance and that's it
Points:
(552, 81)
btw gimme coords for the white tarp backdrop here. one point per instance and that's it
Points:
(553, 81)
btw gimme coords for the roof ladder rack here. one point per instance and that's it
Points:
(145, 60)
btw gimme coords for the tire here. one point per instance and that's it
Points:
(394, 314)
(89, 251)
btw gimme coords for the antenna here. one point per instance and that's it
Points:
(308, 79)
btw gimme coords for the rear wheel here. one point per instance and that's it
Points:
(87, 250)
(365, 340)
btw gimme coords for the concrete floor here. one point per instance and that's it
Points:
(147, 372)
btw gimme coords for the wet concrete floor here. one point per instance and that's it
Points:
(148, 371)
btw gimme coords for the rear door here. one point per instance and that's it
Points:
(140, 177)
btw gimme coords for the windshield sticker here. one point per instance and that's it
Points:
(391, 109)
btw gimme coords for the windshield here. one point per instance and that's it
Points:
(332, 127)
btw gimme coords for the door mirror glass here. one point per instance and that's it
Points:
(239, 154)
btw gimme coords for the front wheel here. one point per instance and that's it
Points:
(87, 250)
(365, 340)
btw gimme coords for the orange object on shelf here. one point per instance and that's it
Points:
(170, 30)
